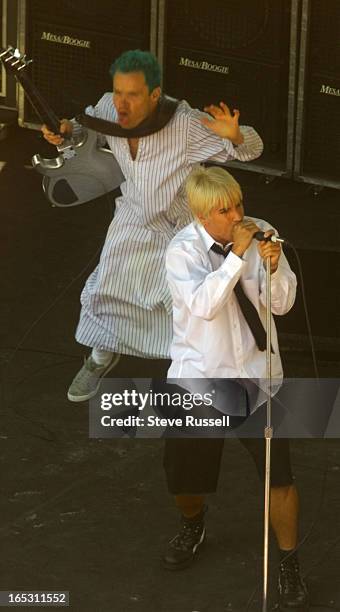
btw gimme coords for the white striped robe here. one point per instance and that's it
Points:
(126, 303)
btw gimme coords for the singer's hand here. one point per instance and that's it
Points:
(270, 249)
(242, 235)
(66, 128)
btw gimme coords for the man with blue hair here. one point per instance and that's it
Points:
(126, 303)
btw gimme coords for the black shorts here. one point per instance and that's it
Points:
(192, 465)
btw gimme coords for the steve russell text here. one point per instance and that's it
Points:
(155, 421)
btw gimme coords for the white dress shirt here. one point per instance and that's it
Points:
(211, 337)
(126, 303)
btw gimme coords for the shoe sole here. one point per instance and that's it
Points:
(84, 398)
(304, 608)
(179, 566)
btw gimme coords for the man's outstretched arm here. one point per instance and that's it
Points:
(219, 137)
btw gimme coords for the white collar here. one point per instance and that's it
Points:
(207, 239)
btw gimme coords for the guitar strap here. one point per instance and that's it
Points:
(165, 110)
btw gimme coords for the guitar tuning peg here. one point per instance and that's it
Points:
(25, 63)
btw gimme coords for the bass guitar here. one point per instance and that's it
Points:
(82, 171)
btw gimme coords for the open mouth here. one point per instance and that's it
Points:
(123, 117)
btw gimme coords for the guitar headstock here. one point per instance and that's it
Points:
(16, 63)
(13, 61)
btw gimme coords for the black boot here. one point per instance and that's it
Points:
(182, 548)
(293, 594)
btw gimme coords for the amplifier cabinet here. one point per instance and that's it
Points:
(243, 53)
(318, 114)
(3, 43)
(8, 36)
(73, 43)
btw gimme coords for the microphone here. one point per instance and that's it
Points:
(272, 238)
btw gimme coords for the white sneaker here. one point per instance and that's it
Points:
(87, 382)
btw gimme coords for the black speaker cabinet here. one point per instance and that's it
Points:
(243, 53)
(73, 43)
(8, 36)
(318, 117)
(3, 43)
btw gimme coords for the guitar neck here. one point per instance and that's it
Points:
(43, 110)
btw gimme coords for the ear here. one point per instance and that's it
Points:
(201, 219)
(155, 94)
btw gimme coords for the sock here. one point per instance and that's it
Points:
(101, 357)
(190, 505)
(289, 554)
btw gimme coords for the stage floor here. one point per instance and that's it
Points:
(93, 516)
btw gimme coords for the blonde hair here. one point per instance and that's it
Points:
(207, 188)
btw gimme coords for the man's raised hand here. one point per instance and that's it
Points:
(223, 123)
(242, 236)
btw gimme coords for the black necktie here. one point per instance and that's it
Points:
(247, 307)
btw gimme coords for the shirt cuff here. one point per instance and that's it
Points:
(77, 131)
(251, 148)
(232, 263)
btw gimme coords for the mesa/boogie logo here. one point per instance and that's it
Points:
(331, 91)
(64, 39)
(203, 65)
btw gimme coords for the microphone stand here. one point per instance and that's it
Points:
(268, 434)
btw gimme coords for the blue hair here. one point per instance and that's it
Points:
(139, 61)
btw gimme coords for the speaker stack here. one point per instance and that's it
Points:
(317, 157)
(278, 61)
(243, 53)
(3, 43)
(8, 35)
(73, 43)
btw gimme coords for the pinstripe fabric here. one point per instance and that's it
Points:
(126, 303)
